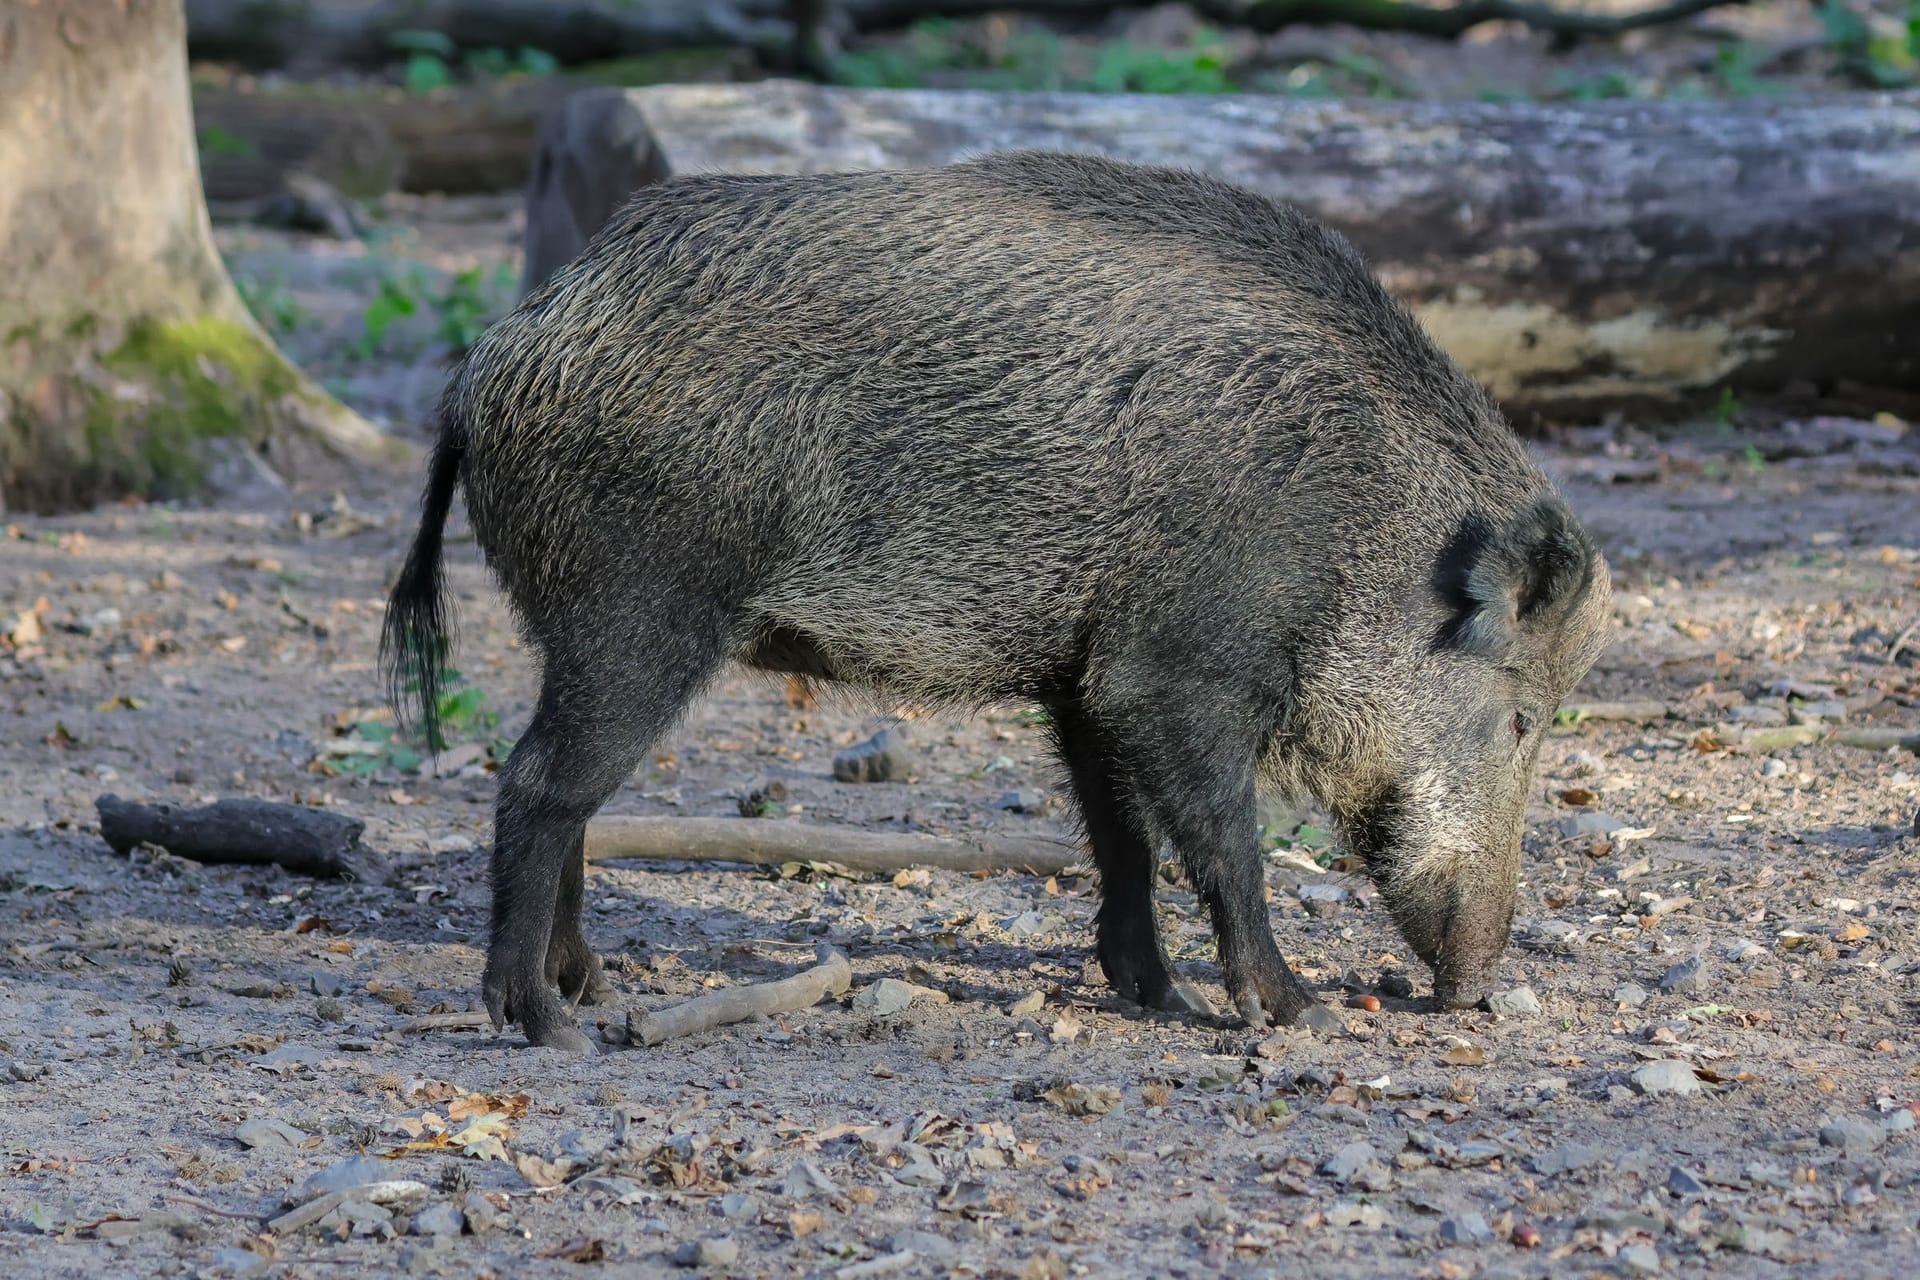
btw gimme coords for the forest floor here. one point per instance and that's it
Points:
(182, 1047)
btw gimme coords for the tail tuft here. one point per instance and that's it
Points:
(414, 644)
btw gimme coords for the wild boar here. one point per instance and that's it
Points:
(1155, 452)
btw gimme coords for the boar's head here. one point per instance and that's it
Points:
(1432, 792)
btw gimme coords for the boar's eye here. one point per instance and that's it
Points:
(1522, 724)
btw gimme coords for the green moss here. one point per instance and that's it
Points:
(205, 379)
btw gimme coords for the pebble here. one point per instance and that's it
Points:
(1565, 1159)
(1032, 803)
(925, 1244)
(1684, 1182)
(1756, 713)
(881, 758)
(1027, 1004)
(327, 1009)
(480, 1214)
(365, 1219)
(1396, 984)
(26, 1072)
(267, 1132)
(804, 1180)
(1902, 1121)
(883, 1265)
(237, 1262)
(1465, 1228)
(1853, 1135)
(1641, 1257)
(883, 998)
(736, 1204)
(919, 1171)
(418, 1261)
(438, 1220)
(1346, 1162)
(715, 1251)
(359, 1171)
(1667, 1076)
(1630, 995)
(1774, 768)
(1584, 764)
(1590, 823)
(1689, 977)
(1520, 1002)
(1555, 933)
(327, 984)
(1029, 923)
(1744, 950)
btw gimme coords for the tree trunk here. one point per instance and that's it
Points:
(128, 363)
(1573, 257)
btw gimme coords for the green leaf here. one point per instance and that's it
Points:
(415, 40)
(425, 72)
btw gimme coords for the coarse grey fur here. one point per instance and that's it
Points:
(1154, 451)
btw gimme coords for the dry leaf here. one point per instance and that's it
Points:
(803, 1224)
(579, 1249)
(234, 644)
(1066, 1029)
(1465, 1055)
(1084, 1100)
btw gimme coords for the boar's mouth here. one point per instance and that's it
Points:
(1467, 964)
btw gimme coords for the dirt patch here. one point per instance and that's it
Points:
(182, 1047)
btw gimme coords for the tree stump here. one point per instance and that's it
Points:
(128, 363)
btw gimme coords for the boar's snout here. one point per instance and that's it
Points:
(1466, 963)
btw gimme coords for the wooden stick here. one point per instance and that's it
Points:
(252, 832)
(463, 1020)
(1877, 738)
(832, 976)
(768, 842)
(1630, 712)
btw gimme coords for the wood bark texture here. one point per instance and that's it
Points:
(1574, 257)
(771, 842)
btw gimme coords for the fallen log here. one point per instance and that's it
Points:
(1574, 256)
(325, 33)
(832, 976)
(366, 140)
(247, 832)
(765, 842)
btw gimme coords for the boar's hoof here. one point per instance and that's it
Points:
(1184, 997)
(567, 1039)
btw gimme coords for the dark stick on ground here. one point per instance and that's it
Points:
(250, 832)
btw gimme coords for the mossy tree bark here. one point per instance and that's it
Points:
(128, 363)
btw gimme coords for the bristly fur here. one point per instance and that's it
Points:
(1141, 446)
(415, 636)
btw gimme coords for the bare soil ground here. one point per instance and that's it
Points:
(183, 1046)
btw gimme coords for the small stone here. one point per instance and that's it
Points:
(1744, 950)
(238, 1263)
(1582, 764)
(1397, 984)
(26, 1072)
(327, 984)
(924, 1244)
(1344, 1163)
(1027, 1005)
(1760, 713)
(881, 758)
(1689, 977)
(736, 1204)
(1642, 1258)
(806, 1180)
(327, 1009)
(1565, 1159)
(438, 1220)
(1029, 923)
(1465, 1228)
(99, 622)
(266, 1132)
(1668, 1076)
(1684, 1182)
(715, 1251)
(1902, 1121)
(480, 1214)
(1630, 995)
(1853, 1135)
(1590, 822)
(417, 1260)
(1775, 768)
(883, 998)
(1031, 803)
(359, 1171)
(919, 1171)
(365, 1219)
(1520, 1002)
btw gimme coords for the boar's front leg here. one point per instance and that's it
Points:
(1192, 766)
(1129, 943)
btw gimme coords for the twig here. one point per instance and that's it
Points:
(832, 976)
(1901, 641)
(462, 1020)
(179, 1197)
(1630, 712)
(1877, 738)
(771, 842)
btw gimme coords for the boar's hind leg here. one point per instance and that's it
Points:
(1195, 775)
(596, 718)
(1129, 943)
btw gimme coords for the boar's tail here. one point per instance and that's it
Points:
(414, 644)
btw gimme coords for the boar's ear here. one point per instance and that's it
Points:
(1503, 579)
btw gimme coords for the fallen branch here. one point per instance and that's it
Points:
(770, 843)
(1627, 712)
(464, 1020)
(1877, 738)
(832, 976)
(248, 832)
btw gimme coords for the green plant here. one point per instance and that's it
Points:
(393, 301)
(1727, 411)
(524, 61)
(1316, 842)
(1595, 88)
(462, 310)
(271, 302)
(1199, 68)
(1735, 67)
(215, 141)
(429, 55)
(1880, 61)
